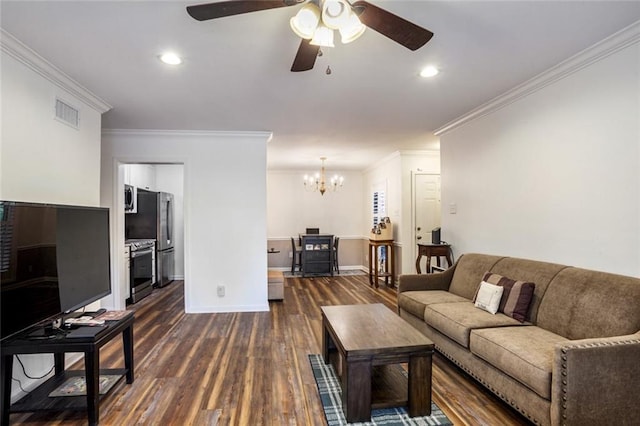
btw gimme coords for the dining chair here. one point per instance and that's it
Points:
(336, 265)
(296, 259)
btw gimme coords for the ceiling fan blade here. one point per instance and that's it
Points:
(306, 56)
(203, 12)
(392, 26)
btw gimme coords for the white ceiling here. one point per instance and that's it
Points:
(235, 74)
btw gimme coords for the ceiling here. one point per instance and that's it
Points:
(235, 75)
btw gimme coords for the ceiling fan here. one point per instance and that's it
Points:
(317, 19)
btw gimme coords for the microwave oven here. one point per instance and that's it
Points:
(130, 199)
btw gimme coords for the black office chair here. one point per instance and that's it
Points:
(296, 260)
(336, 265)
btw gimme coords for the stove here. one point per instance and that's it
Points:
(142, 268)
(139, 244)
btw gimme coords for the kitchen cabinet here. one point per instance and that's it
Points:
(140, 175)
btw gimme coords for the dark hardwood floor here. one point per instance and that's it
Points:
(249, 368)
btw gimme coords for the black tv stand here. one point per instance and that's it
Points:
(45, 333)
(97, 313)
(39, 399)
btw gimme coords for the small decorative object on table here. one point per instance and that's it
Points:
(382, 231)
(381, 253)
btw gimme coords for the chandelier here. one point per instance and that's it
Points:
(317, 20)
(319, 183)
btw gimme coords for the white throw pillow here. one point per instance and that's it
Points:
(488, 297)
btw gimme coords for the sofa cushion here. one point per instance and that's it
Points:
(516, 297)
(456, 320)
(524, 353)
(533, 271)
(414, 302)
(582, 304)
(468, 273)
(488, 297)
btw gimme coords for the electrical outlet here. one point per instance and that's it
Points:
(221, 290)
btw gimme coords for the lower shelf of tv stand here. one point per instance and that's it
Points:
(39, 399)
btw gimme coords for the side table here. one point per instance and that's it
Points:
(433, 250)
(38, 399)
(389, 262)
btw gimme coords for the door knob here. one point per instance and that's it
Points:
(419, 237)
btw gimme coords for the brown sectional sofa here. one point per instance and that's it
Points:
(574, 361)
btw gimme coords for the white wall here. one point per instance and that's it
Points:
(291, 209)
(44, 160)
(553, 176)
(224, 210)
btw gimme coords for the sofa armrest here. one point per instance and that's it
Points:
(596, 381)
(438, 281)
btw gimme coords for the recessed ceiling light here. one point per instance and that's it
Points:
(429, 71)
(170, 58)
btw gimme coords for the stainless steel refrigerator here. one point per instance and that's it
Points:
(154, 219)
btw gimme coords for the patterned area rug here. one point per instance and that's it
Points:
(331, 396)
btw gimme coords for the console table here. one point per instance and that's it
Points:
(433, 250)
(389, 262)
(38, 399)
(317, 254)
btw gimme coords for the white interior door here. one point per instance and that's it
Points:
(426, 201)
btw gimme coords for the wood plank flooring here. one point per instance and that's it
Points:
(249, 368)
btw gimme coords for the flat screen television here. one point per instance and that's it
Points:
(53, 259)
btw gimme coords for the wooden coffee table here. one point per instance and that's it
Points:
(366, 337)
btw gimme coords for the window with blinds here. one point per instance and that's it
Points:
(379, 206)
(380, 211)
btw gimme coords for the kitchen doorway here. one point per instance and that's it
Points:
(161, 180)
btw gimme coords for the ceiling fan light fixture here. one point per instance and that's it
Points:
(323, 37)
(352, 30)
(335, 13)
(306, 21)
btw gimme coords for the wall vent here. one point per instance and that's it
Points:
(67, 114)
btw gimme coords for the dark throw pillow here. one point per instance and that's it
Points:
(517, 295)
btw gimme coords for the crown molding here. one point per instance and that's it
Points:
(382, 161)
(28, 57)
(399, 154)
(620, 40)
(189, 133)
